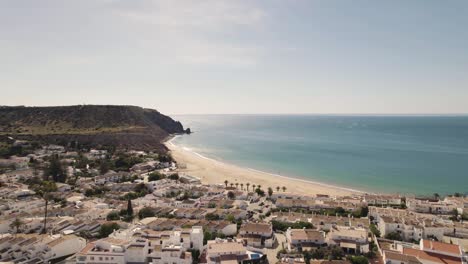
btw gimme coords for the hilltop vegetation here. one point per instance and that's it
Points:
(92, 125)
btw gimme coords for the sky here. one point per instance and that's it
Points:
(236, 56)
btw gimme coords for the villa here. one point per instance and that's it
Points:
(302, 239)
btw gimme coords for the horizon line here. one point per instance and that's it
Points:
(326, 114)
(250, 114)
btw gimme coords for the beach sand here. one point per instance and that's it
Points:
(215, 172)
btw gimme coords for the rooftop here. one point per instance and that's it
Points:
(306, 234)
(441, 247)
(431, 257)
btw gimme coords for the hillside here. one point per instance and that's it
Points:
(129, 127)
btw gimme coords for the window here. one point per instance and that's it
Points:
(100, 258)
(92, 258)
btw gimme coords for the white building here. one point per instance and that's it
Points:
(257, 234)
(350, 239)
(109, 250)
(304, 238)
(39, 248)
(431, 207)
(232, 251)
(411, 228)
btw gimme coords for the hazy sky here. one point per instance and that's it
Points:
(233, 56)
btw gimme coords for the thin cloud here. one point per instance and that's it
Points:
(188, 15)
(191, 30)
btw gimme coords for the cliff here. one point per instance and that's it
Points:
(128, 127)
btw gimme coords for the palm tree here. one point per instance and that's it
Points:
(46, 188)
(436, 196)
(253, 186)
(16, 224)
(278, 188)
(232, 184)
(242, 186)
(284, 188)
(247, 184)
(226, 183)
(259, 186)
(46, 197)
(237, 185)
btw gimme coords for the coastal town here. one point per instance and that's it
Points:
(72, 204)
(233, 132)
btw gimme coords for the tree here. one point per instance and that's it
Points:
(374, 230)
(56, 170)
(231, 218)
(259, 186)
(125, 161)
(107, 229)
(260, 192)
(195, 255)
(253, 186)
(16, 224)
(319, 253)
(278, 188)
(358, 260)
(436, 196)
(207, 235)
(284, 188)
(44, 190)
(270, 191)
(156, 176)
(232, 184)
(211, 217)
(242, 186)
(141, 189)
(247, 184)
(165, 158)
(336, 253)
(174, 176)
(226, 183)
(129, 208)
(237, 185)
(283, 226)
(364, 211)
(113, 216)
(231, 195)
(146, 212)
(394, 236)
(103, 166)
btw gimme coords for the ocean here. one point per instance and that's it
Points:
(419, 155)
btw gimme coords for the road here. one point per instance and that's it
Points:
(271, 252)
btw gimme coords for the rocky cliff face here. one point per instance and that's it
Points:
(129, 127)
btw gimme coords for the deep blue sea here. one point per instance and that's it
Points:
(392, 154)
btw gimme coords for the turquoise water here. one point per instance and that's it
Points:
(391, 154)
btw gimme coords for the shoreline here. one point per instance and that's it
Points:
(211, 171)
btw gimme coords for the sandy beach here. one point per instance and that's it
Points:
(215, 172)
